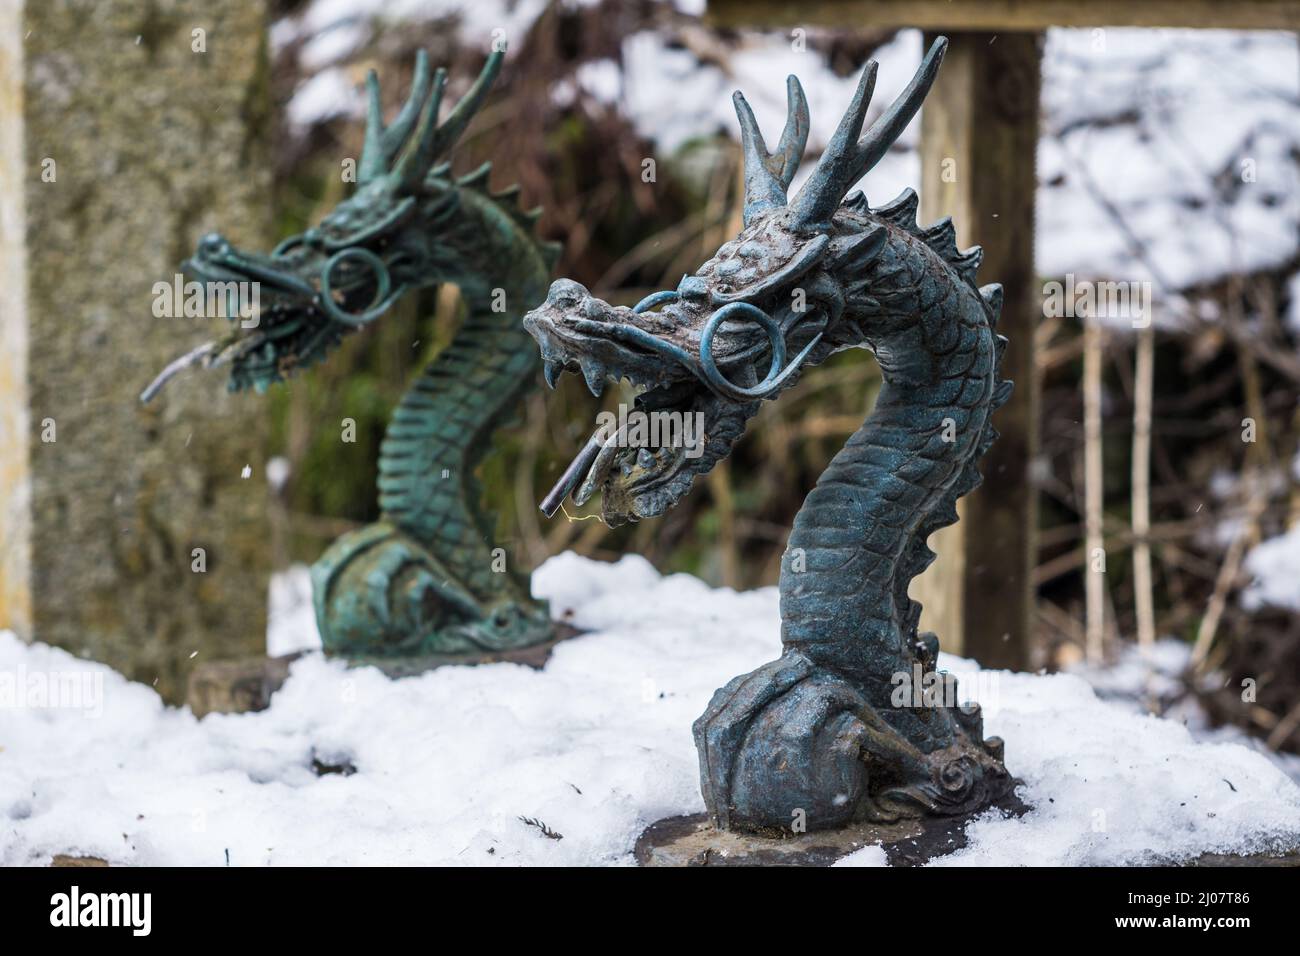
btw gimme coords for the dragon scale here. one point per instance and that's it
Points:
(442, 428)
(898, 477)
(438, 436)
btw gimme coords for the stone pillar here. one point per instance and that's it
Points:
(127, 130)
(979, 135)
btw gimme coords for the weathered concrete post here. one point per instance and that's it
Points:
(128, 534)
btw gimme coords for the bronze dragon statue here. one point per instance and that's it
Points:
(823, 730)
(423, 579)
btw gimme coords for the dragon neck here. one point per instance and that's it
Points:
(898, 478)
(443, 426)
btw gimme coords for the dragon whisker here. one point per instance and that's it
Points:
(600, 465)
(382, 300)
(712, 376)
(175, 367)
(656, 298)
(632, 335)
(209, 355)
(580, 465)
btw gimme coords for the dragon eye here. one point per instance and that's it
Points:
(692, 287)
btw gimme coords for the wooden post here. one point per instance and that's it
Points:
(1140, 479)
(128, 535)
(1094, 579)
(979, 135)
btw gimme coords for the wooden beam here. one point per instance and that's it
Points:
(979, 135)
(994, 15)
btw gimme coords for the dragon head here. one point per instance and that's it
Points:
(350, 269)
(738, 331)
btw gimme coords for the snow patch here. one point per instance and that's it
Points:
(291, 617)
(596, 747)
(1274, 566)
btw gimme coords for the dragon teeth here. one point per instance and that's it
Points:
(595, 376)
(595, 476)
(552, 369)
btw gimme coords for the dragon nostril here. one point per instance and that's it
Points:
(566, 293)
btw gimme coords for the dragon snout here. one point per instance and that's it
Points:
(214, 243)
(572, 300)
(213, 247)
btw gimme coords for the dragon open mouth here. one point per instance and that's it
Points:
(701, 375)
(307, 298)
(363, 256)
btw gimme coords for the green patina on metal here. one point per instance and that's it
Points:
(853, 722)
(425, 579)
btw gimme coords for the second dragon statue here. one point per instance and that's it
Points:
(819, 734)
(423, 580)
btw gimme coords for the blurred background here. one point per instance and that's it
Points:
(1169, 157)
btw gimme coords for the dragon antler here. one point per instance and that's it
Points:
(847, 158)
(430, 139)
(768, 175)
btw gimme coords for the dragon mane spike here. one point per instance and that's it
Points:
(768, 175)
(383, 143)
(847, 158)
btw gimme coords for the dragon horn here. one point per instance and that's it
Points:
(432, 139)
(768, 175)
(847, 159)
(382, 143)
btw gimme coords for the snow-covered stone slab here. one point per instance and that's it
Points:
(504, 764)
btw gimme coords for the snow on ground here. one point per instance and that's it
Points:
(1157, 681)
(596, 746)
(291, 618)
